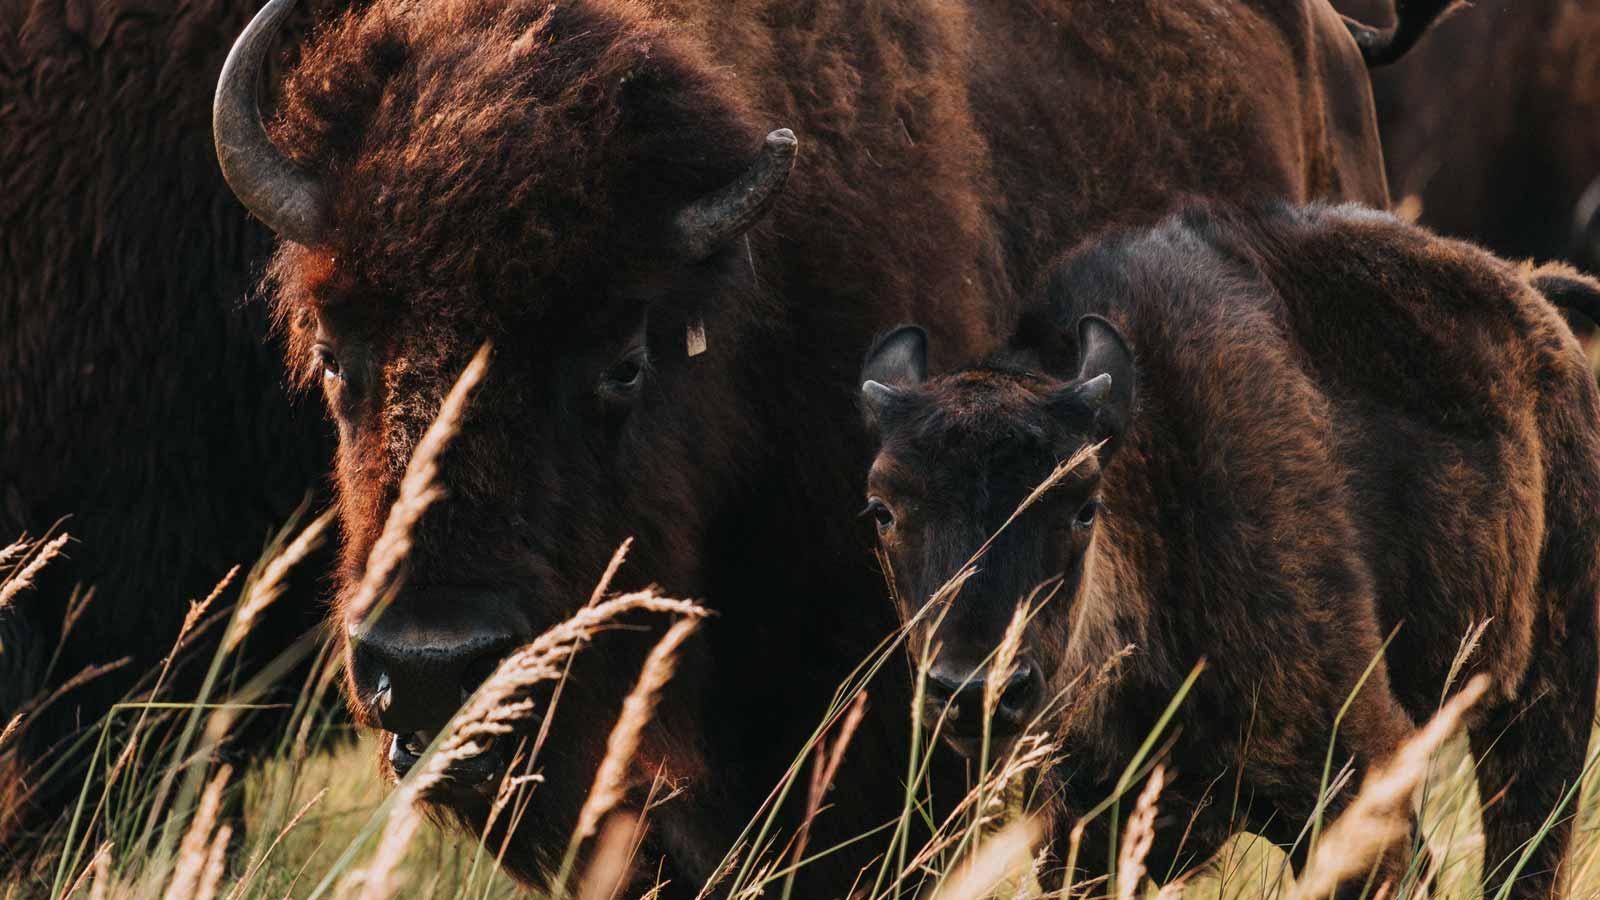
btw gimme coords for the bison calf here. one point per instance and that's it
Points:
(1315, 427)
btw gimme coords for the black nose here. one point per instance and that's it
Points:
(956, 692)
(416, 660)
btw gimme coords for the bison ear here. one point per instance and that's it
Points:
(897, 361)
(1103, 387)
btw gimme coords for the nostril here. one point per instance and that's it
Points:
(938, 690)
(1021, 693)
(478, 671)
(382, 695)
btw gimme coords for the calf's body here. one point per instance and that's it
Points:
(1321, 427)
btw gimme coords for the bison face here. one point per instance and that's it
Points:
(957, 457)
(576, 187)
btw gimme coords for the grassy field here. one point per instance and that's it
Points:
(315, 820)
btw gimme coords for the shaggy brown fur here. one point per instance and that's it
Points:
(137, 397)
(504, 171)
(1489, 122)
(1341, 427)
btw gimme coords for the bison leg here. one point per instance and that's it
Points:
(1390, 867)
(1376, 727)
(1531, 751)
(1528, 757)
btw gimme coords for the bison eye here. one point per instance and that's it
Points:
(1086, 513)
(327, 361)
(879, 512)
(622, 382)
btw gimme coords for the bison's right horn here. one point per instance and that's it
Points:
(272, 187)
(719, 217)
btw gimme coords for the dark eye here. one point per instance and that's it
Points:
(621, 382)
(327, 361)
(879, 512)
(1086, 514)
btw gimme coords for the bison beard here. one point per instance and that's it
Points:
(1340, 428)
(525, 172)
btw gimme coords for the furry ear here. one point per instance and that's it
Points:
(1568, 289)
(1104, 385)
(897, 361)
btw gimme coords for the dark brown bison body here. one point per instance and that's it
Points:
(137, 396)
(582, 184)
(1489, 122)
(1322, 426)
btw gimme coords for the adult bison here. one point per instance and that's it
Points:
(139, 401)
(1308, 429)
(585, 184)
(1489, 122)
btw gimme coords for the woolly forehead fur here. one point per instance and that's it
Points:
(491, 158)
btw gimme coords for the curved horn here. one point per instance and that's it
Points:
(277, 191)
(719, 217)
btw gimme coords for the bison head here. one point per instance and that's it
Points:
(957, 457)
(576, 185)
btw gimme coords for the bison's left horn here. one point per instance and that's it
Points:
(272, 187)
(719, 217)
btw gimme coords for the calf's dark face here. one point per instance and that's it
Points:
(957, 457)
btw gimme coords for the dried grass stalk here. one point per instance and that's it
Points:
(608, 871)
(604, 584)
(100, 887)
(1005, 856)
(216, 864)
(512, 786)
(825, 768)
(1138, 837)
(419, 489)
(19, 581)
(88, 674)
(91, 873)
(1005, 659)
(987, 801)
(77, 605)
(192, 851)
(610, 780)
(11, 729)
(198, 610)
(1379, 815)
(381, 879)
(270, 586)
(14, 550)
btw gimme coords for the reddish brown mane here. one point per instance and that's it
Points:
(581, 123)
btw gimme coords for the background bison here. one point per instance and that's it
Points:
(1323, 427)
(1488, 123)
(142, 406)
